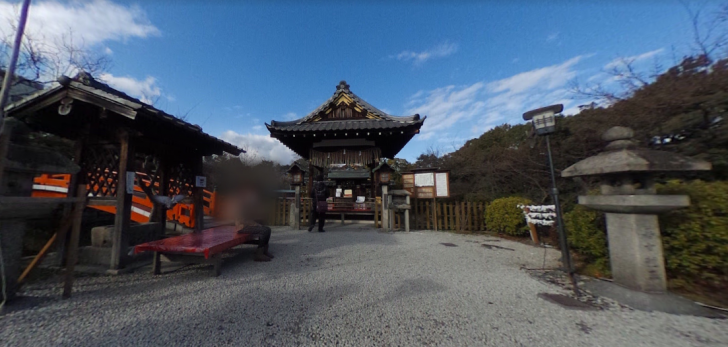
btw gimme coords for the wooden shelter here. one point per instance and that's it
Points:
(117, 139)
(345, 138)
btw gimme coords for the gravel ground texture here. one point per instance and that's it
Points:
(350, 286)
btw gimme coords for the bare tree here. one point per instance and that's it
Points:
(710, 40)
(710, 34)
(622, 71)
(43, 61)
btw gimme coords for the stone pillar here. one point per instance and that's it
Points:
(406, 215)
(635, 252)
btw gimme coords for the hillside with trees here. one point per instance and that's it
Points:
(684, 111)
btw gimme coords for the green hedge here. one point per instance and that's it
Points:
(695, 239)
(504, 216)
(585, 229)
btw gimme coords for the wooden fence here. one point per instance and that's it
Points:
(458, 216)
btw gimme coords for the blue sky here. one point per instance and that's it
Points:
(468, 66)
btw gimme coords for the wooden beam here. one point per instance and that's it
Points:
(112, 106)
(62, 241)
(123, 203)
(344, 142)
(34, 106)
(73, 244)
(65, 224)
(102, 201)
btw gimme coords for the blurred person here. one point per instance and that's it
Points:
(319, 193)
(250, 217)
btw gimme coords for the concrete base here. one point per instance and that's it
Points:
(91, 255)
(11, 241)
(138, 233)
(668, 303)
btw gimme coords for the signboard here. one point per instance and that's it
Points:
(384, 177)
(425, 192)
(426, 179)
(408, 180)
(427, 185)
(442, 184)
(201, 181)
(130, 175)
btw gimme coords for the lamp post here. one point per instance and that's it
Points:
(384, 177)
(544, 124)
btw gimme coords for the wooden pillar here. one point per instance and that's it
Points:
(163, 190)
(297, 210)
(309, 184)
(122, 219)
(197, 196)
(75, 239)
(374, 185)
(385, 209)
(62, 239)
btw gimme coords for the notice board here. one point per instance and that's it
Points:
(427, 185)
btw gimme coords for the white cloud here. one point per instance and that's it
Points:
(552, 37)
(260, 147)
(446, 106)
(290, 116)
(257, 127)
(145, 90)
(418, 58)
(483, 105)
(633, 59)
(551, 76)
(91, 22)
(54, 25)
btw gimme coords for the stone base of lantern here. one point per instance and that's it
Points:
(662, 302)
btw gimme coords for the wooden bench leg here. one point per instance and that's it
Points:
(156, 264)
(217, 263)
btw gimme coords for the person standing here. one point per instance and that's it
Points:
(319, 193)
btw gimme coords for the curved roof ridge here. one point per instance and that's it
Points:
(343, 88)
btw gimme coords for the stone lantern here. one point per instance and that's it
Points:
(297, 174)
(383, 176)
(629, 199)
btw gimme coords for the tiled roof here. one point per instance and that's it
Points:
(364, 124)
(88, 84)
(387, 121)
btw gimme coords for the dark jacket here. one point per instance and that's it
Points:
(318, 186)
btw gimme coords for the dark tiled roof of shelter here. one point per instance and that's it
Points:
(88, 84)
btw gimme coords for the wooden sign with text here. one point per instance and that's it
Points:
(427, 185)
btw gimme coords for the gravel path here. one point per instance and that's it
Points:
(351, 286)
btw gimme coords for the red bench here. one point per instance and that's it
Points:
(205, 247)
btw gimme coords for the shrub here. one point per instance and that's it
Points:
(586, 232)
(695, 238)
(504, 216)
